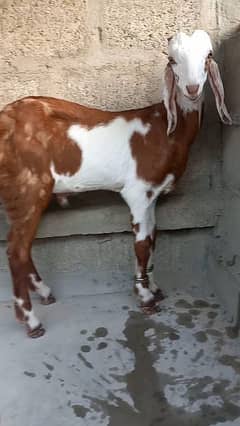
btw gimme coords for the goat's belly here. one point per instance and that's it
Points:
(87, 179)
(95, 172)
(106, 157)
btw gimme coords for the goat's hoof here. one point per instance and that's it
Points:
(158, 295)
(39, 331)
(48, 300)
(150, 308)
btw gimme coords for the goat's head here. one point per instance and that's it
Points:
(190, 64)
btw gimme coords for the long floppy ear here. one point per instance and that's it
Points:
(169, 98)
(216, 84)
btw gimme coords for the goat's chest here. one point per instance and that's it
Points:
(157, 155)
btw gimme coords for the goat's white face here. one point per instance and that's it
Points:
(190, 64)
(187, 57)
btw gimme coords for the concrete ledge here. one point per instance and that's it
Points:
(104, 212)
(100, 264)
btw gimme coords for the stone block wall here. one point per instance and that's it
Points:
(104, 53)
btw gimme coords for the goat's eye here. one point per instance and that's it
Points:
(210, 55)
(171, 61)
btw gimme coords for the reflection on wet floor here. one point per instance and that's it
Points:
(109, 364)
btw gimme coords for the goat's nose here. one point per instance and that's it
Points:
(192, 89)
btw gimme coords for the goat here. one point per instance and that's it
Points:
(51, 146)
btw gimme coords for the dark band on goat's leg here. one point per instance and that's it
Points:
(144, 240)
(156, 291)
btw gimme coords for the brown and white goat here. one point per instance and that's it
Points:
(52, 146)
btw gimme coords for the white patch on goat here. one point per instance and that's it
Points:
(107, 161)
(140, 205)
(167, 184)
(19, 301)
(187, 105)
(145, 228)
(42, 289)
(144, 293)
(31, 318)
(189, 53)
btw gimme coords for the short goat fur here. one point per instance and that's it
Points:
(51, 146)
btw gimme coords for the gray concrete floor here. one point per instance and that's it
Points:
(104, 363)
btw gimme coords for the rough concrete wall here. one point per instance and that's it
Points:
(225, 252)
(106, 53)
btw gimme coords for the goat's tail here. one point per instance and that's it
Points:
(7, 123)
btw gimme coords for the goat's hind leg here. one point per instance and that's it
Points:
(37, 285)
(25, 216)
(18, 257)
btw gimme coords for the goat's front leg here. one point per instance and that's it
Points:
(157, 292)
(144, 230)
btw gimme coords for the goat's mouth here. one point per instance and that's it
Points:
(193, 98)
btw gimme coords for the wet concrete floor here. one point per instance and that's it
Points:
(102, 362)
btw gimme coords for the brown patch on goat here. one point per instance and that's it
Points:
(46, 178)
(23, 189)
(23, 255)
(43, 137)
(171, 140)
(28, 129)
(7, 126)
(35, 125)
(70, 152)
(157, 158)
(19, 313)
(142, 250)
(42, 193)
(7, 122)
(46, 107)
